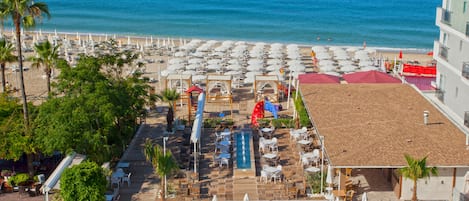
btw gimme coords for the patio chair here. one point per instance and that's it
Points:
(116, 180)
(35, 191)
(262, 146)
(126, 178)
(264, 176)
(224, 161)
(277, 176)
(349, 195)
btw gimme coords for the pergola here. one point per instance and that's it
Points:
(266, 86)
(179, 82)
(218, 90)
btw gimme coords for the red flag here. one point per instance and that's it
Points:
(400, 54)
(258, 113)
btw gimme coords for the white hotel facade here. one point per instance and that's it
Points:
(451, 52)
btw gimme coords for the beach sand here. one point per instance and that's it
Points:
(35, 81)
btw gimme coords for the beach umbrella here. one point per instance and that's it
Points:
(105, 37)
(128, 40)
(364, 197)
(329, 175)
(214, 198)
(246, 197)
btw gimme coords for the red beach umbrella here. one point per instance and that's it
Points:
(400, 54)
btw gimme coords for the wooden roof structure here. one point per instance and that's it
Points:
(374, 125)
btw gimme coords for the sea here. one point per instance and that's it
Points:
(378, 23)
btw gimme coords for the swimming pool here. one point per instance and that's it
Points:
(243, 150)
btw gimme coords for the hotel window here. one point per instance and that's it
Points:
(460, 45)
(464, 7)
(466, 119)
(456, 92)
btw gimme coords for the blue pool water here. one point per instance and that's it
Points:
(243, 153)
(381, 23)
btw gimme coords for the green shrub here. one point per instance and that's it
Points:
(302, 113)
(19, 179)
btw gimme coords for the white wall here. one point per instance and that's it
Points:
(433, 188)
(460, 183)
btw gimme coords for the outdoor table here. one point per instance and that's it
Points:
(224, 155)
(225, 134)
(224, 143)
(123, 165)
(109, 197)
(266, 130)
(312, 169)
(118, 174)
(304, 142)
(271, 170)
(270, 156)
(268, 142)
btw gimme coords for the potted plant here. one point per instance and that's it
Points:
(314, 184)
(6, 173)
(21, 180)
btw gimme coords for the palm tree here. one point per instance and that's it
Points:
(417, 169)
(169, 96)
(47, 55)
(6, 55)
(23, 13)
(163, 163)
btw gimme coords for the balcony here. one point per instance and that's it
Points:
(465, 70)
(446, 16)
(443, 52)
(440, 94)
(466, 119)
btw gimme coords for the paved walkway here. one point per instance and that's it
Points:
(145, 184)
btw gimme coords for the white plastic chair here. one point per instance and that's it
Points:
(262, 146)
(273, 146)
(264, 176)
(126, 178)
(224, 161)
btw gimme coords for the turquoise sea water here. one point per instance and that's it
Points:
(381, 23)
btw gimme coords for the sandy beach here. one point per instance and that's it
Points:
(157, 52)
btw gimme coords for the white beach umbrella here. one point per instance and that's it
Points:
(297, 68)
(128, 40)
(214, 61)
(199, 77)
(368, 68)
(234, 61)
(332, 73)
(254, 67)
(175, 61)
(232, 72)
(246, 197)
(213, 67)
(327, 68)
(364, 197)
(329, 175)
(180, 54)
(189, 72)
(175, 67)
(348, 68)
(195, 61)
(166, 72)
(214, 198)
(192, 66)
(234, 67)
(273, 67)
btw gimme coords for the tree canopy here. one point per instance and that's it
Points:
(94, 113)
(83, 182)
(415, 170)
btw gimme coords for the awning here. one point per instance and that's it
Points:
(53, 181)
(316, 78)
(371, 76)
(199, 118)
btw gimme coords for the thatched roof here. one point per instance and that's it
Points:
(374, 125)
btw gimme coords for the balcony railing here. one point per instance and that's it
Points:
(440, 94)
(443, 52)
(465, 70)
(446, 16)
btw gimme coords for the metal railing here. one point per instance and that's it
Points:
(465, 70)
(446, 16)
(440, 94)
(443, 52)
